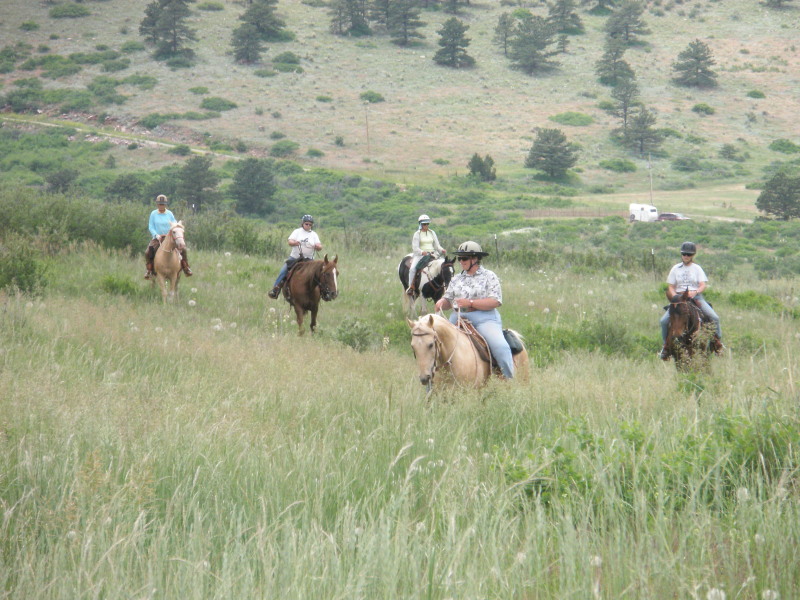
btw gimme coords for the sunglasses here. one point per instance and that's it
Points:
(686, 254)
(307, 223)
(463, 258)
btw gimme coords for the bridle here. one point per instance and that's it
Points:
(438, 350)
(324, 289)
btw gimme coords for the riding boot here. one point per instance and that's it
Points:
(664, 354)
(149, 266)
(185, 267)
(411, 290)
(275, 291)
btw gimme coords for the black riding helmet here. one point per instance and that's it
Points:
(688, 248)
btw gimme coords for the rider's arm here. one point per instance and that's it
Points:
(700, 289)
(415, 244)
(443, 304)
(670, 291)
(152, 224)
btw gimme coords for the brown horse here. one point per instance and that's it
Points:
(688, 335)
(306, 283)
(440, 345)
(167, 262)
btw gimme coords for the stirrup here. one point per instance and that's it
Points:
(148, 275)
(273, 293)
(410, 291)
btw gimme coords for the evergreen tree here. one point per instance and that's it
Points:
(147, 27)
(453, 42)
(693, 67)
(777, 3)
(551, 153)
(261, 14)
(533, 45)
(128, 187)
(171, 31)
(626, 94)
(600, 7)
(626, 22)
(246, 42)
(349, 17)
(611, 69)
(450, 6)
(780, 197)
(197, 183)
(380, 11)
(640, 135)
(404, 22)
(482, 168)
(563, 16)
(254, 186)
(504, 31)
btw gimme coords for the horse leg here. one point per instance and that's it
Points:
(299, 314)
(313, 320)
(162, 282)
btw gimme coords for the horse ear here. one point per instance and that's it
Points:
(430, 321)
(325, 259)
(335, 259)
(410, 323)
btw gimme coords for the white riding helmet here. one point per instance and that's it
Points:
(471, 249)
(423, 219)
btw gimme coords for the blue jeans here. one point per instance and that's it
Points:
(490, 326)
(708, 313)
(281, 275)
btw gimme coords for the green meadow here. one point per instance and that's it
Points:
(205, 450)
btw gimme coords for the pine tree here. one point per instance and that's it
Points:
(482, 168)
(404, 22)
(693, 67)
(261, 14)
(600, 7)
(563, 16)
(611, 69)
(380, 11)
(349, 17)
(246, 42)
(172, 30)
(626, 22)
(640, 135)
(254, 186)
(551, 153)
(453, 42)
(780, 197)
(147, 27)
(504, 31)
(626, 95)
(533, 45)
(197, 183)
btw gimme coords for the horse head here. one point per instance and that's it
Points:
(177, 232)
(426, 347)
(328, 279)
(447, 270)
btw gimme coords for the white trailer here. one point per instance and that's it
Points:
(643, 212)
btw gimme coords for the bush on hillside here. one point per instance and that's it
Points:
(21, 265)
(756, 94)
(703, 109)
(785, 146)
(283, 148)
(217, 104)
(69, 11)
(371, 97)
(29, 26)
(575, 119)
(618, 165)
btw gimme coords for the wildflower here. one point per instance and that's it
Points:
(159, 330)
(759, 539)
(228, 272)
(251, 286)
(227, 254)
(232, 325)
(521, 556)
(194, 290)
(134, 329)
(531, 303)
(192, 303)
(770, 595)
(217, 327)
(590, 292)
(715, 594)
(596, 562)
(272, 309)
(546, 310)
(72, 534)
(743, 494)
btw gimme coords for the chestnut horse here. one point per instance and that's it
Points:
(440, 345)
(167, 262)
(687, 333)
(306, 283)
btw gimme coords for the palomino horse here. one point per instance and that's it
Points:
(306, 283)
(440, 345)
(167, 262)
(433, 280)
(688, 333)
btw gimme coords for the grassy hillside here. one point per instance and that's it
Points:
(432, 113)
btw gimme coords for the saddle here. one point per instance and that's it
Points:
(423, 262)
(482, 348)
(292, 263)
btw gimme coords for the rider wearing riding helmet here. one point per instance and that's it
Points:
(476, 294)
(423, 243)
(161, 220)
(304, 243)
(688, 275)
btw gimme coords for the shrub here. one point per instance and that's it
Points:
(210, 6)
(179, 62)
(339, 140)
(143, 82)
(131, 47)
(199, 90)
(180, 150)
(572, 118)
(703, 109)
(371, 97)
(288, 58)
(287, 68)
(785, 146)
(618, 165)
(21, 265)
(218, 104)
(283, 148)
(277, 135)
(112, 66)
(119, 285)
(69, 11)
(356, 334)
(324, 99)
(314, 153)
(29, 26)
(756, 94)
(264, 73)
(607, 106)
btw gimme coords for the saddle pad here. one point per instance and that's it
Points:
(476, 338)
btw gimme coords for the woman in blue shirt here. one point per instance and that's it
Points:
(161, 220)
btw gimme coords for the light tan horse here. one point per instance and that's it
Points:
(439, 345)
(167, 262)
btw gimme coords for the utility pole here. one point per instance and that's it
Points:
(650, 171)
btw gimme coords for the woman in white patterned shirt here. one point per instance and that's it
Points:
(476, 294)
